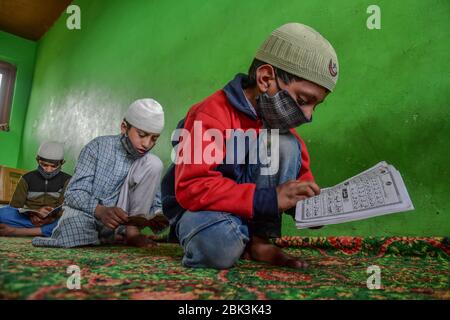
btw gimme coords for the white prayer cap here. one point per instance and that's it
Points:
(51, 150)
(146, 115)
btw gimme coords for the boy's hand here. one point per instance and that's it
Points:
(290, 192)
(43, 211)
(36, 220)
(111, 217)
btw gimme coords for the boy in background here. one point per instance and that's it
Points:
(40, 190)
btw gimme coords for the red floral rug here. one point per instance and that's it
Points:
(403, 267)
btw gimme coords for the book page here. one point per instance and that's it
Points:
(378, 190)
(51, 213)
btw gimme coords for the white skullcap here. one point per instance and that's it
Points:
(146, 115)
(51, 150)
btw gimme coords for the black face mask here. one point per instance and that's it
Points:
(280, 111)
(130, 149)
(48, 175)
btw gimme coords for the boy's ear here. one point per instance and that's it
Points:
(265, 74)
(123, 127)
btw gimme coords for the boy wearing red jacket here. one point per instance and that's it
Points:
(223, 210)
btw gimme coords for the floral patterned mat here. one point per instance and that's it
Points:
(410, 268)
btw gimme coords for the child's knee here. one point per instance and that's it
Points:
(219, 249)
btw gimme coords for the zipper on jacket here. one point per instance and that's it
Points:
(45, 194)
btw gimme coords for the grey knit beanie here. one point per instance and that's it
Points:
(51, 150)
(301, 51)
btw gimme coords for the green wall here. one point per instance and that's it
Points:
(391, 102)
(21, 53)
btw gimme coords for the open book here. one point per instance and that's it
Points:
(52, 213)
(377, 191)
(156, 223)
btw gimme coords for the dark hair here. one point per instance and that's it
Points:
(55, 162)
(127, 124)
(250, 81)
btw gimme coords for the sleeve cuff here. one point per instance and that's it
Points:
(92, 205)
(265, 203)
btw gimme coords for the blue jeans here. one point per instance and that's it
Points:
(11, 217)
(212, 239)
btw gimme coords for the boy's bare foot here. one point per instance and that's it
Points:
(6, 231)
(262, 250)
(119, 239)
(141, 241)
(246, 255)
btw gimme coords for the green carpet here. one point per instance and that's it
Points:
(411, 268)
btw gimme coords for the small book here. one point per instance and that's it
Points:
(157, 223)
(52, 213)
(377, 191)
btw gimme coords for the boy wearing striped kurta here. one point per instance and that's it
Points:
(115, 177)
